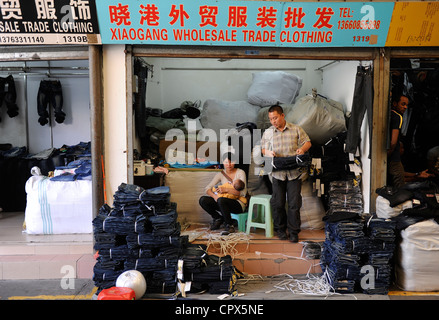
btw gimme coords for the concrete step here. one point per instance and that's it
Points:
(44, 259)
(49, 266)
(263, 256)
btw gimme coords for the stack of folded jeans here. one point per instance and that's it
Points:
(158, 198)
(165, 224)
(141, 233)
(345, 196)
(352, 243)
(382, 235)
(209, 273)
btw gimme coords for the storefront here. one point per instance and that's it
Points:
(51, 53)
(339, 40)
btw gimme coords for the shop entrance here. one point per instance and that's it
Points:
(51, 129)
(199, 76)
(417, 79)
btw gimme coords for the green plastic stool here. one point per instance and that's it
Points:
(241, 218)
(261, 201)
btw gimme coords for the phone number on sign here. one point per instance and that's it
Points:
(359, 24)
(21, 39)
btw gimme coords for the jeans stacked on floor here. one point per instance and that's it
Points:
(382, 235)
(141, 233)
(354, 243)
(341, 263)
(206, 272)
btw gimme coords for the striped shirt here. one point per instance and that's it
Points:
(284, 144)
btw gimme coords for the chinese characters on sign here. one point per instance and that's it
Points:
(48, 22)
(244, 23)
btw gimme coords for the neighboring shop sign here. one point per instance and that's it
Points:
(42, 22)
(245, 23)
(414, 24)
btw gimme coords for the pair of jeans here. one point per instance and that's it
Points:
(220, 209)
(362, 102)
(8, 94)
(289, 163)
(283, 191)
(50, 95)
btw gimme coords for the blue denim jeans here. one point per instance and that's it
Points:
(8, 94)
(288, 163)
(50, 95)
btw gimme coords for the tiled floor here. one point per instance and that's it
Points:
(25, 256)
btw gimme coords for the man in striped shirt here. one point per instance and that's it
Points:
(284, 139)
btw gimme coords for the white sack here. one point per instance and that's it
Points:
(321, 118)
(312, 210)
(417, 263)
(385, 211)
(58, 207)
(220, 114)
(272, 87)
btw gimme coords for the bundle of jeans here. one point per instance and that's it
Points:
(105, 278)
(359, 245)
(216, 274)
(162, 281)
(121, 252)
(107, 263)
(126, 193)
(194, 256)
(132, 209)
(344, 286)
(345, 229)
(105, 240)
(381, 229)
(158, 197)
(124, 225)
(289, 163)
(148, 240)
(347, 272)
(165, 224)
(344, 196)
(379, 246)
(144, 265)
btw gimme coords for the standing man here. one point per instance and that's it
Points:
(284, 139)
(394, 165)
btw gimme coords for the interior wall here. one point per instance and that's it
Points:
(175, 80)
(25, 130)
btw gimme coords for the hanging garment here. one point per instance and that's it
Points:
(9, 95)
(50, 94)
(362, 102)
